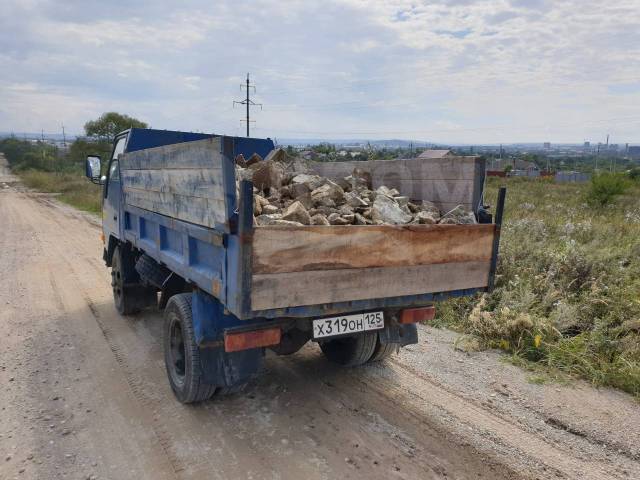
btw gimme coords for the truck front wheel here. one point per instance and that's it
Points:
(350, 351)
(129, 295)
(181, 353)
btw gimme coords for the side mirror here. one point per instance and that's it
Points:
(93, 168)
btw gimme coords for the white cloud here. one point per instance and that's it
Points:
(447, 70)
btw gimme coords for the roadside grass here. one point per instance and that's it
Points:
(567, 294)
(74, 188)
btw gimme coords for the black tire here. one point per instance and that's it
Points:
(350, 351)
(383, 350)
(129, 296)
(181, 353)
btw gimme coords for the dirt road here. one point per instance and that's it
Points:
(84, 395)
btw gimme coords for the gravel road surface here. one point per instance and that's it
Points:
(83, 392)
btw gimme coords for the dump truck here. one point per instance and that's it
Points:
(179, 235)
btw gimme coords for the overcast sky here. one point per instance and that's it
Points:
(444, 70)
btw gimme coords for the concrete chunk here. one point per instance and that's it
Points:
(385, 210)
(297, 213)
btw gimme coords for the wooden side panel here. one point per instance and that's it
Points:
(273, 290)
(199, 154)
(448, 181)
(283, 249)
(185, 181)
(201, 211)
(193, 182)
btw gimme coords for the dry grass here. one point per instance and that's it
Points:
(568, 283)
(73, 188)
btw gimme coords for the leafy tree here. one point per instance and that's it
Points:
(110, 124)
(79, 150)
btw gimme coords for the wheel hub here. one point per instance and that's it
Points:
(177, 351)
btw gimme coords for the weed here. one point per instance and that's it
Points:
(567, 284)
(73, 188)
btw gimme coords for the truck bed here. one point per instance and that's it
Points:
(182, 208)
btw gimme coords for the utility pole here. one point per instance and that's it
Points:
(64, 138)
(247, 101)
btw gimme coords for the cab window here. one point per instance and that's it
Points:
(114, 171)
(119, 148)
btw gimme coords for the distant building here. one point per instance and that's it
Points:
(523, 167)
(634, 151)
(431, 154)
(547, 145)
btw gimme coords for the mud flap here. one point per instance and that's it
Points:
(219, 367)
(400, 334)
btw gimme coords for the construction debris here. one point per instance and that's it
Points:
(287, 193)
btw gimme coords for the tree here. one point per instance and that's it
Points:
(110, 124)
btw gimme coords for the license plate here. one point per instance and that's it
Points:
(359, 322)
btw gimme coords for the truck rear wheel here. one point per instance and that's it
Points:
(350, 351)
(181, 353)
(383, 350)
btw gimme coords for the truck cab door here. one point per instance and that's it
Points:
(113, 192)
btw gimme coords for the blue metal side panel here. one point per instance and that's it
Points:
(249, 146)
(141, 138)
(195, 253)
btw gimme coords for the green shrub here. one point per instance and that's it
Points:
(605, 187)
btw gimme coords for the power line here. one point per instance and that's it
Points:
(247, 101)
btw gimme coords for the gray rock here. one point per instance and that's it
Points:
(269, 209)
(253, 159)
(345, 210)
(268, 219)
(360, 220)
(297, 213)
(353, 200)
(426, 218)
(241, 161)
(310, 181)
(430, 207)
(299, 189)
(319, 219)
(382, 190)
(336, 219)
(286, 223)
(328, 191)
(402, 201)
(386, 210)
(267, 175)
(276, 155)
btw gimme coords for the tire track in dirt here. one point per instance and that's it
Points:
(301, 418)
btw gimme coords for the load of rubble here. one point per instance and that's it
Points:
(286, 193)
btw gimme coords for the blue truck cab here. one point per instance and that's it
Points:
(180, 235)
